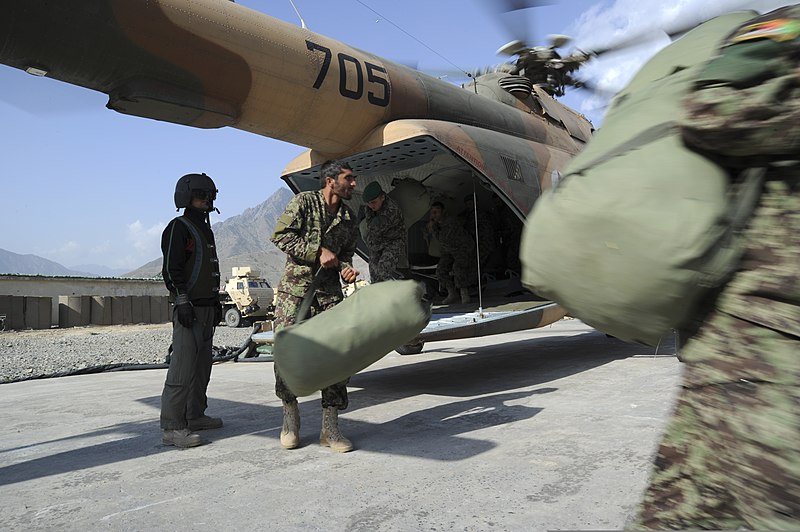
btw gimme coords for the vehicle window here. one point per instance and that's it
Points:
(240, 286)
(252, 284)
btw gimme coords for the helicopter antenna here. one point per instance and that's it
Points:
(302, 22)
(422, 43)
(477, 249)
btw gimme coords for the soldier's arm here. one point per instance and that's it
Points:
(288, 234)
(746, 101)
(348, 249)
(175, 255)
(379, 226)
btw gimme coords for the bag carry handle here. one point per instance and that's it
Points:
(308, 297)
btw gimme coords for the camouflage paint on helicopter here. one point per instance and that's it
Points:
(214, 63)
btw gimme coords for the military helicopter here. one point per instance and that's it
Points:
(501, 138)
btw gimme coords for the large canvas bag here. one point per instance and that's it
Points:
(641, 227)
(340, 342)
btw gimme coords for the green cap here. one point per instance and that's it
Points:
(372, 191)
(743, 63)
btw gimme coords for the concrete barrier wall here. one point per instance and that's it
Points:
(21, 312)
(74, 311)
(34, 312)
(100, 313)
(39, 302)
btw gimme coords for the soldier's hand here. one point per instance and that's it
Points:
(327, 258)
(185, 313)
(349, 274)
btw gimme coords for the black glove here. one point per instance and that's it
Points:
(217, 314)
(185, 311)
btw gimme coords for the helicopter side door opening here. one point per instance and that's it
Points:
(416, 173)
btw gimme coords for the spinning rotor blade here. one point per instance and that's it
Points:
(507, 13)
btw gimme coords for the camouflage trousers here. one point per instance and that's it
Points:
(463, 266)
(730, 456)
(286, 307)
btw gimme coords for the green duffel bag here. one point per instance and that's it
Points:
(641, 228)
(359, 331)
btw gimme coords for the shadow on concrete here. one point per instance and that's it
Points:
(493, 368)
(441, 426)
(495, 373)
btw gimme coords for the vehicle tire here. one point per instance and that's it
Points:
(410, 349)
(233, 318)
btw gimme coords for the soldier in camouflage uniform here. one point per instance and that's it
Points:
(318, 233)
(509, 228)
(458, 255)
(487, 236)
(386, 237)
(730, 457)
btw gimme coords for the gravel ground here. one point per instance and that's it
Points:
(53, 352)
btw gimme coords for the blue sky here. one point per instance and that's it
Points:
(85, 185)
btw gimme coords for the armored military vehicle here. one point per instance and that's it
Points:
(246, 297)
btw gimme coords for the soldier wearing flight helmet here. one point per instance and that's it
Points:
(191, 274)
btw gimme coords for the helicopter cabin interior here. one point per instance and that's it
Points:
(417, 172)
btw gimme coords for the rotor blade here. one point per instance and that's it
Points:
(628, 42)
(508, 14)
(508, 6)
(593, 88)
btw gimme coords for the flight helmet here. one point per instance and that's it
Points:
(194, 185)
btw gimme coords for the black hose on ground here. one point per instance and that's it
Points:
(249, 347)
(219, 354)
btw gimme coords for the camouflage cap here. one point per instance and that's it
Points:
(372, 191)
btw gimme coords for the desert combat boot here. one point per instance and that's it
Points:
(290, 434)
(330, 435)
(452, 295)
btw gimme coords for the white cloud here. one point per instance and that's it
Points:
(606, 24)
(144, 244)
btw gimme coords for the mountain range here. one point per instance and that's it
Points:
(11, 262)
(242, 240)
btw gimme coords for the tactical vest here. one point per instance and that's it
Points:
(202, 273)
(640, 227)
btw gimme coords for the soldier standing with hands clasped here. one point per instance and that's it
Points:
(191, 273)
(318, 233)
(730, 457)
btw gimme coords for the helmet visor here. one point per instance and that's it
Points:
(202, 194)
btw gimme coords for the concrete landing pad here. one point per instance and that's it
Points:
(547, 429)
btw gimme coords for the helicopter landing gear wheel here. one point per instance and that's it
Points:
(410, 349)
(233, 318)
